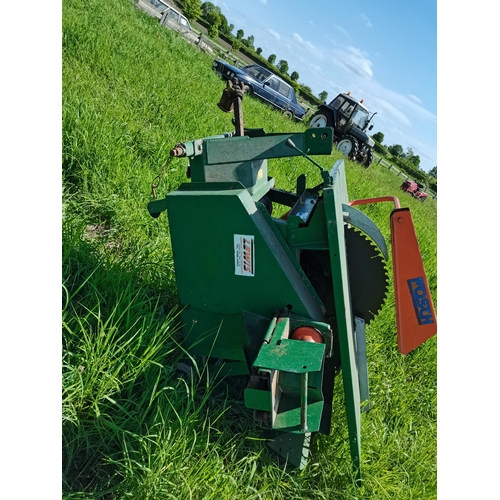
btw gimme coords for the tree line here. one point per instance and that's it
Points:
(397, 151)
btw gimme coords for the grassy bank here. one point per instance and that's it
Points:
(132, 428)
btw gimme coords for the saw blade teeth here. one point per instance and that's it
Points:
(368, 274)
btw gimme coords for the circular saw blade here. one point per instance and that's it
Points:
(368, 277)
(367, 274)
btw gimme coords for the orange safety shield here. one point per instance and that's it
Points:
(415, 316)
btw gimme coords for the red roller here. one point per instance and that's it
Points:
(307, 334)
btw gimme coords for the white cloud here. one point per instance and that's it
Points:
(307, 45)
(332, 41)
(317, 69)
(355, 61)
(392, 106)
(413, 106)
(366, 21)
(415, 98)
(342, 30)
(386, 109)
(273, 34)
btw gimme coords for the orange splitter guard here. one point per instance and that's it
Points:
(415, 316)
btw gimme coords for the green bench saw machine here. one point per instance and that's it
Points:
(283, 302)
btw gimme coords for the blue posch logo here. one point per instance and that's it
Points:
(420, 301)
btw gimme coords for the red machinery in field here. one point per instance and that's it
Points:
(415, 189)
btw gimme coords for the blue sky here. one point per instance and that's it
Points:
(382, 52)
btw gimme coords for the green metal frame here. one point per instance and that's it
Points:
(242, 289)
(335, 196)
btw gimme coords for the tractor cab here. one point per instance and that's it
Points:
(350, 113)
(350, 121)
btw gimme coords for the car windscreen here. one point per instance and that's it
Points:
(260, 74)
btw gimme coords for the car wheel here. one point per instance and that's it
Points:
(319, 120)
(348, 146)
(248, 90)
(288, 114)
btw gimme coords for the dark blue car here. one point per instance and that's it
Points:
(264, 84)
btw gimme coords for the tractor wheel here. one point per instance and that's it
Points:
(320, 120)
(348, 146)
(368, 158)
(288, 114)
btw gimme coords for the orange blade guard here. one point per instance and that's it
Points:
(415, 316)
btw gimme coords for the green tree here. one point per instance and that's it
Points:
(415, 159)
(214, 20)
(224, 26)
(433, 172)
(249, 41)
(236, 44)
(207, 7)
(294, 76)
(240, 34)
(307, 89)
(192, 9)
(231, 28)
(323, 95)
(271, 59)
(412, 157)
(259, 51)
(283, 66)
(213, 31)
(379, 137)
(396, 150)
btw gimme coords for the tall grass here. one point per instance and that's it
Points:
(132, 428)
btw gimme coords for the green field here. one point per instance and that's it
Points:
(131, 428)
